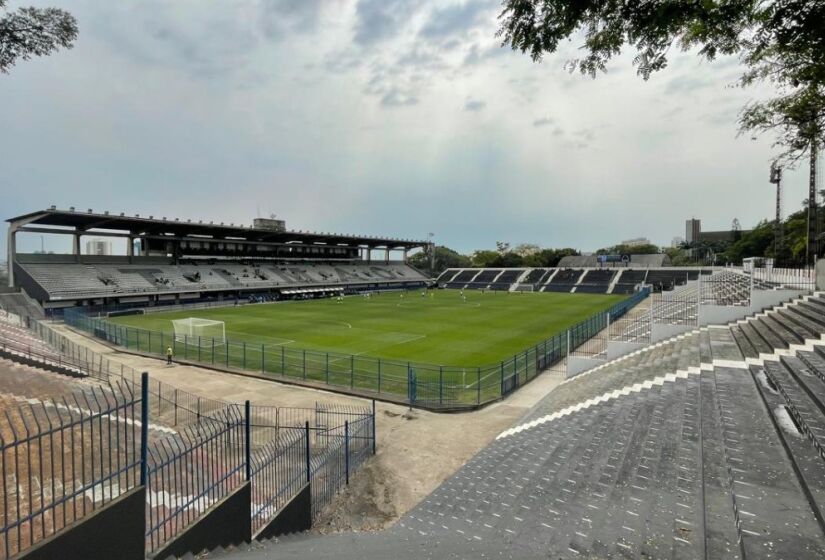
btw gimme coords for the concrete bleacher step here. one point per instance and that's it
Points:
(805, 411)
(721, 528)
(776, 519)
(755, 338)
(745, 347)
(811, 310)
(773, 340)
(723, 345)
(814, 360)
(788, 331)
(807, 327)
(807, 462)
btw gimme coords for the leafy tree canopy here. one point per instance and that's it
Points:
(29, 32)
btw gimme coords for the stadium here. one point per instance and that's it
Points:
(650, 389)
(187, 374)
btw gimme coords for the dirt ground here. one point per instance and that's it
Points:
(417, 449)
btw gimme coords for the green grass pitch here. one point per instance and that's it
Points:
(439, 328)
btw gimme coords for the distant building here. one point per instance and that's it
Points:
(636, 242)
(693, 228)
(98, 247)
(677, 241)
(694, 233)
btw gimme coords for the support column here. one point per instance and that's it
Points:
(76, 244)
(369, 255)
(12, 248)
(130, 247)
(405, 256)
(387, 255)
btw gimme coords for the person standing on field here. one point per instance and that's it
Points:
(169, 355)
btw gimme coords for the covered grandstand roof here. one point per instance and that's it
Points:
(137, 225)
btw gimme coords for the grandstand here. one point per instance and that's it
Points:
(594, 280)
(189, 262)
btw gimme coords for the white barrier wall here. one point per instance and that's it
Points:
(10, 318)
(820, 274)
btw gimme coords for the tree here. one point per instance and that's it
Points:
(526, 249)
(502, 247)
(444, 258)
(735, 230)
(652, 28)
(485, 258)
(30, 32)
(781, 41)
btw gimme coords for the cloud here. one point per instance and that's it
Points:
(543, 121)
(279, 17)
(396, 98)
(688, 83)
(457, 19)
(478, 54)
(379, 20)
(474, 105)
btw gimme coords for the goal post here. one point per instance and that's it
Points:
(199, 332)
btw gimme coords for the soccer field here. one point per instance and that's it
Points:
(439, 328)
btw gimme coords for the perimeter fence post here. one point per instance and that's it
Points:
(144, 427)
(346, 450)
(309, 468)
(374, 434)
(248, 439)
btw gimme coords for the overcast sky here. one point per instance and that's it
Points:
(387, 117)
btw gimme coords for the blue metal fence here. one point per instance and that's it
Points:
(420, 384)
(61, 459)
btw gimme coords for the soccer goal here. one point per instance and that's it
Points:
(200, 332)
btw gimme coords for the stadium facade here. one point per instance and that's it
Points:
(172, 261)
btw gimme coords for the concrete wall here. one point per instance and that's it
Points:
(294, 517)
(619, 349)
(662, 332)
(226, 523)
(760, 299)
(578, 364)
(820, 274)
(115, 531)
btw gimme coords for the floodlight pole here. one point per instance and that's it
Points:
(776, 179)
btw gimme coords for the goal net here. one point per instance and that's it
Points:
(200, 332)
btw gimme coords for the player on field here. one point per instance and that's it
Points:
(169, 355)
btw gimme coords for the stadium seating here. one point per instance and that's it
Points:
(629, 279)
(563, 281)
(68, 281)
(596, 281)
(20, 304)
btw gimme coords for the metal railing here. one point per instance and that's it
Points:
(420, 384)
(277, 471)
(188, 472)
(61, 459)
(214, 447)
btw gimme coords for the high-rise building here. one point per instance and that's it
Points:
(693, 229)
(98, 247)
